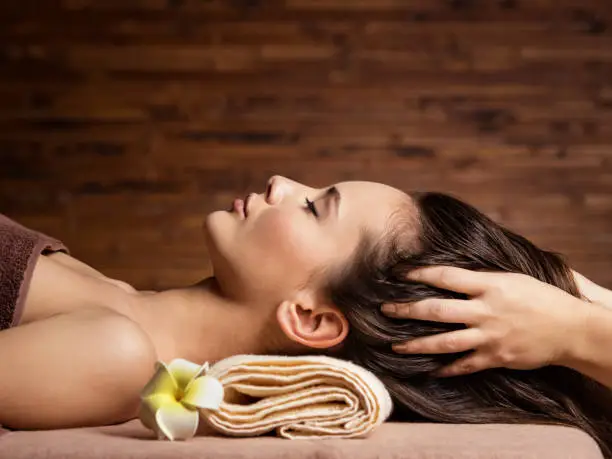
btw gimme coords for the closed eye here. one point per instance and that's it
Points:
(312, 208)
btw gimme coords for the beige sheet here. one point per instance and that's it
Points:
(391, 441)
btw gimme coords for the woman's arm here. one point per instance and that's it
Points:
(589, 350)
(74, 369)
(593, 292)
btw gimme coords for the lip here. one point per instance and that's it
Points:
(239, 207)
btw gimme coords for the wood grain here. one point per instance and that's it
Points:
(123, 122)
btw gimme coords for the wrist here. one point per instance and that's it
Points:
(575, 350)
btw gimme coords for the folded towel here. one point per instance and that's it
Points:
(299, 397)
(20, 248)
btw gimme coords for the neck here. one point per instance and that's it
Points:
(199, 324)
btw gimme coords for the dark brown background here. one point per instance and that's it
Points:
(124, 122)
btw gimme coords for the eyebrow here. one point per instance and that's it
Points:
(334, 193)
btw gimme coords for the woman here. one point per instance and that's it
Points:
(297, 270)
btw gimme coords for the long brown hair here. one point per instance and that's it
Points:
(450, 232)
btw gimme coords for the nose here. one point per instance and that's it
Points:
(276, 189)
(280, 187)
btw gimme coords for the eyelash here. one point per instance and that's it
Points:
(312, 207)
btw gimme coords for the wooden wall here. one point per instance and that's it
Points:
(122, 123)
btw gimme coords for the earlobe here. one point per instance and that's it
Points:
(319, 327)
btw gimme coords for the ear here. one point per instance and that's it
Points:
(315, 326)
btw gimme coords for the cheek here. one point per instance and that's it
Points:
(285, 241)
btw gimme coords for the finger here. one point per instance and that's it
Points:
(451, 278)
(438, 310)
(443, 343)
(472, 363)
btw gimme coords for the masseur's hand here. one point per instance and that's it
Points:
(513, 320)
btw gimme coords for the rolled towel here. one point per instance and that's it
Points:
(298, 397)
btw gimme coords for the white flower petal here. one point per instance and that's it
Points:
(185, 371)
(149, 407)
(204, 392)
(162, 382)
(147, 416)
(176, 421)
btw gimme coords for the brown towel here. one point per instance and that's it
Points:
(20, 247)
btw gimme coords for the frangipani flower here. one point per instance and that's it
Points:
(171, 399)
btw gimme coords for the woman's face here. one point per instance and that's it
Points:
(271, 250)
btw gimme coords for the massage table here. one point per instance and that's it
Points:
(392, 440)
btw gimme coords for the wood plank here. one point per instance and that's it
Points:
(122, 124)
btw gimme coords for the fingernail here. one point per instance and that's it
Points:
(389, 308)
(414, 275)
(442, 373)
(405, 348)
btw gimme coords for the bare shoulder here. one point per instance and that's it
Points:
(93, 362)
(123, 347)
(127, 362)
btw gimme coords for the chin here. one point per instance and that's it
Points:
(218, 231)
(216, 221)
(212, 227)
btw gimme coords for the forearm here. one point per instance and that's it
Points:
(590, 348)
(592, 291)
